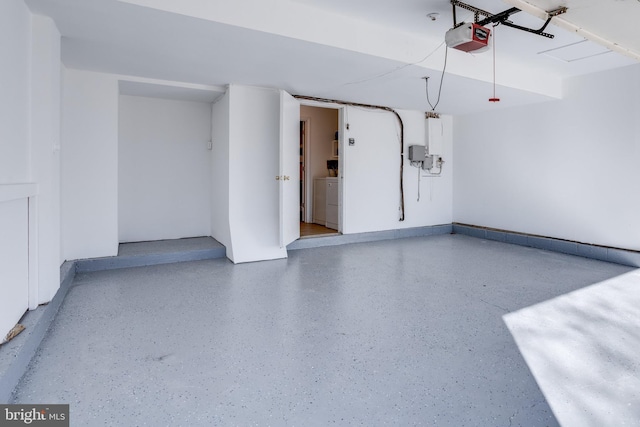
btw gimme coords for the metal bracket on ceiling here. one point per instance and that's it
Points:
(503, 18)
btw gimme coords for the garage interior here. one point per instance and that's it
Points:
(478, 182)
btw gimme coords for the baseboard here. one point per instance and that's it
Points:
(16, 355)
(586, 250)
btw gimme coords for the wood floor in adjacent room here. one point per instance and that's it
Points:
(309, 229)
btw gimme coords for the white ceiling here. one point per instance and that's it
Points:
(613, 23)
(356, 50)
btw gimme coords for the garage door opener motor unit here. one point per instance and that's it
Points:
(468, 37)
(474, 37)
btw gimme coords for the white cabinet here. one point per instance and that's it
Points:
(325, 202)
(319, 201)
(332, 203)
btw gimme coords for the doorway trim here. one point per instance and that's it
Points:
(308, 190)
(341, 164)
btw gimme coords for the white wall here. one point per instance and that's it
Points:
(29, 132)
(245, 158)
(45, 157)
(371, 170)
(220, 227)
(89, 161)
(164, 169)
(566, 169)
(15, 48)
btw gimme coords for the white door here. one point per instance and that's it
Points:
(289, 169)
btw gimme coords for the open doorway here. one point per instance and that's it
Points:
(319, 182)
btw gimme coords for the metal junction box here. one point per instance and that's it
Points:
(417, 153)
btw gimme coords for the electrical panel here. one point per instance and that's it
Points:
(417, 153)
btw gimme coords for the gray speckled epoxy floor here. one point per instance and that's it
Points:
(404, 332)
